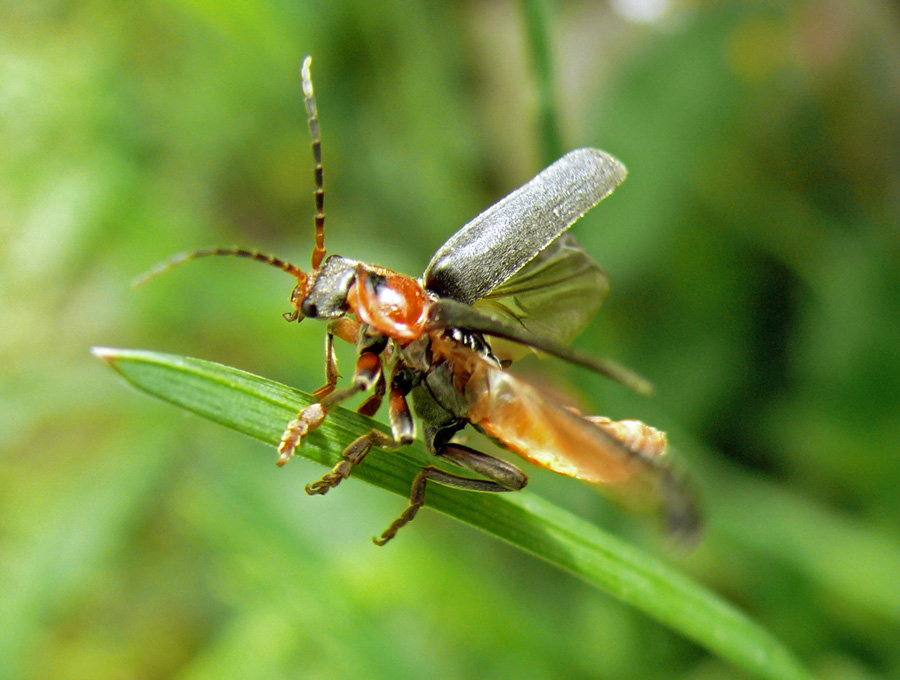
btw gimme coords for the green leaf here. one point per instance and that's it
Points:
(260, 408)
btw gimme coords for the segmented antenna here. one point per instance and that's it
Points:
(313, 120)
(291, 269)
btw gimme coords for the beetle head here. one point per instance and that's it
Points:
(324, 295)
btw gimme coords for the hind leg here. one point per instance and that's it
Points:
(501, 476)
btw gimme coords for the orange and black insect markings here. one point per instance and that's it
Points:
(512, 277)
(390, 303)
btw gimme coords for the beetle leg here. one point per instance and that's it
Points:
(368, 369)
(352, 455)
(501, 476)
(403, 433)
(306, 421)
(347, 330)
(366, 375)
(403, 427)
(332, 375)
(371, 405)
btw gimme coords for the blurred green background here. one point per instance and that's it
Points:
(753, 253)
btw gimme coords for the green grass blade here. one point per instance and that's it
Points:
(260, 408)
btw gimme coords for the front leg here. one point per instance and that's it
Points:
(368, 371)
(348, 331)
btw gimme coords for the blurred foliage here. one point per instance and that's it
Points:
(753, 253)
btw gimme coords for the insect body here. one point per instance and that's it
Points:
(509, 279)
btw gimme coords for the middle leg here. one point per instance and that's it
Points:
(403, 433)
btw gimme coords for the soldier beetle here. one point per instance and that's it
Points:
(512, 277)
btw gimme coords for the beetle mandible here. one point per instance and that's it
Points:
(510, 278)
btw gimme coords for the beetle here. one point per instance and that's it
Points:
(512, 278)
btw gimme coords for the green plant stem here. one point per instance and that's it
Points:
(539, 20)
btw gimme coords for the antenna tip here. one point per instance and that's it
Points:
(644, 387)
(159, 269)
(307, 78)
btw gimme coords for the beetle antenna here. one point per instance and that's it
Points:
(291, 269)
(313, 119)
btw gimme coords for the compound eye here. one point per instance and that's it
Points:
(310, 309)
(297, 299)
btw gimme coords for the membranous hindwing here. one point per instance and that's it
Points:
(555, 295)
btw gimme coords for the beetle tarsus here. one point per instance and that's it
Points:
(352, 456)
(308, 420)
(338, 473)
(416, 501)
